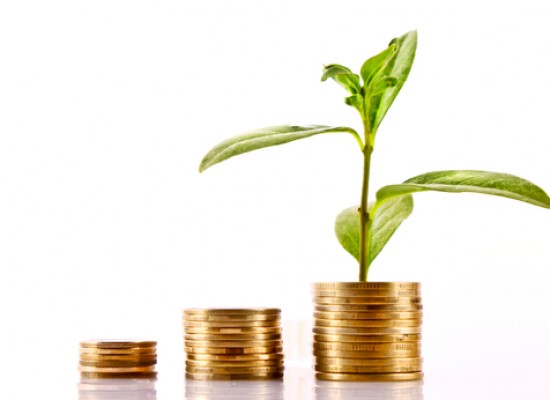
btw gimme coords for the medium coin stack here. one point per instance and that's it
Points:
(118, 359)
(233, 344)
(367, 331)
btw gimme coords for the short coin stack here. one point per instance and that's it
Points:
(367, 331)
(118, 359)
(232, 344)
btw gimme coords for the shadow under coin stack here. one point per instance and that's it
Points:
(367, 331)
(118, 359)
(233, 344)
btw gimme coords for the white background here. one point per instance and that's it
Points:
(108, 230)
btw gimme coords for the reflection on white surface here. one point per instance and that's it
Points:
(214, 390)
(117, 389)
(326, 390)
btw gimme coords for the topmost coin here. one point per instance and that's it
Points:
(227, 311)
(117, 344)
(367, 285)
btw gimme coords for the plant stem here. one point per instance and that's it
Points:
(364, 219)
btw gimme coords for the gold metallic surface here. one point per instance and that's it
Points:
(358, 369)
(366, 293)
(132, 351)
(366, 347)
(236, 358)
(118, 344)
(410, 307)
(230, 323)
(249, 377)
(99, 375)
(368, 315)
(230, 343)
(121, 370)
(225, 330)
(367, 285)
(329, 330)
(229, 311)
(234, 370)
(367, 300)
(369, 361)
(367, 354)
(233, 337)
(233, 350)
(369, 323)
(234, 364)
(367, 338)
(389, 377)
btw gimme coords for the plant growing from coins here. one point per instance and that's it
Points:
(365, 229)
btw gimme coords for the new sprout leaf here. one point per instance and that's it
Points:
(344, 76)
(347, 228)
(266, 137)
(385, 221)
(386, 218)
(373, 65)
(382, 84)
(398, 66)
(493, 183)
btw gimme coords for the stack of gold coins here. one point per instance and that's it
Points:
(231, 344)
(367, 331)
(118, 359)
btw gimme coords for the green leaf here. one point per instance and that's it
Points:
(385, 221)
(343, 75)
(267, 137)
(398, 67)
(493, 183)
(382, 84)
(373, 65)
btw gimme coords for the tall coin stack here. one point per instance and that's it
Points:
(232, 344)
(367, 331)
(118, 359)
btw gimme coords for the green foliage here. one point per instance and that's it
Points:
(365, 229)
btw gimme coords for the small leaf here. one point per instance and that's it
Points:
(356, 101)
(493, 183)
(398, 66)
(266, 137)
(373, 65)
(385, 221)
(343, 75)
(347, 229)
(382, 84)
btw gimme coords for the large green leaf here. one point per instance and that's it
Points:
(266, 137)
(385, 221)
(494, 183)
(397, 66)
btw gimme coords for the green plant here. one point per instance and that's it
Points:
(364, 230)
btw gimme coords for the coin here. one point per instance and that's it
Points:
(369, 300)
(118, 344)
(229, 323)
(135, 375)
(329, 330)
(367, 285)
(367, 315)
(358, 369)
(234, 364)
(369, 323)
(366, 293)
(83, 368)
(368, 361)
(411, 307)
(227, 311)
(258, 376)
(232, 317)
(234, 350)
(232, 370)
(231, 330)
(367, 354)
(230, 343)
(118, 357)
(233, 337)
(117, 364)
(405, 376)
(234, 357)
(132, 351)
(374, 347)
(367, 338)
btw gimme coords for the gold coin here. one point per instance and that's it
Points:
(411, 307)
(368, 300)
(135, 375)
(366, 293)
(405, 376)
(367, 354)
(234, 350)
(248, 377)
(83, 368)
(368, 361)
(367, 285)
(234, 364)
(117, 364)
(234, 357)
(233, 337)
(367, 315)
(330, 330)
(230, 343)
(357, 369)
(232, 317)
(118, 357)
(367, 338)
(227, 311)
(128, 352)
(232, 330)
(232, 370)
(369, 323)
(117, 344)
(374, 347)
(228, 324)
